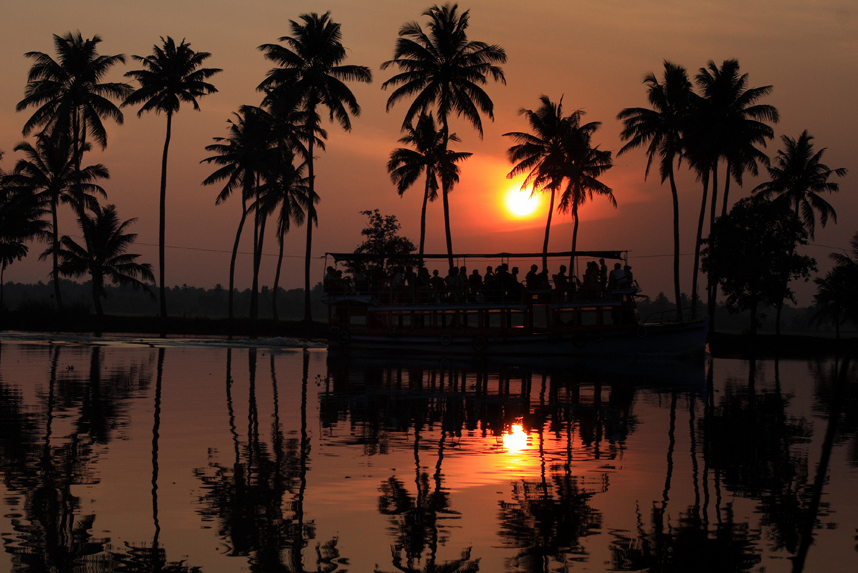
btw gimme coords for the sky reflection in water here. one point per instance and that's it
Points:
(128, 458)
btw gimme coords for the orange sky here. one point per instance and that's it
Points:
(594, 53)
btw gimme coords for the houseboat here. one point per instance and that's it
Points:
(397, 314)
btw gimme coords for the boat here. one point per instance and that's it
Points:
(391, 317)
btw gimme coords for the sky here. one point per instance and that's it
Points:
(593, 53)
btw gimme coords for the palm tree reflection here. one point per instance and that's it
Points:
(250, 499)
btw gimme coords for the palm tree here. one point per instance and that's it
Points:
(441, 68)
(582, 166)
(170, 76)
(106, 256)
(243, 156)
(428, 156)
(49, 169)
(69, 95)
(20, 221)
(661, 129)
(311, 74)
(540, 154)
(798, 177)
(734, 122)
(290, 192)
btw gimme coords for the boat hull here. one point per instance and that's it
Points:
(686, 339)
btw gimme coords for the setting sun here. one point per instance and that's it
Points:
(520, 204)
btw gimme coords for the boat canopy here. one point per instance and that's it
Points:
(341, 257)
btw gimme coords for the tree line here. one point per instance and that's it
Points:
(715, 125)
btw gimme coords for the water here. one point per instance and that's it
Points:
(196, 457)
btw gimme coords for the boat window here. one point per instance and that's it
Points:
(608, 316)
(358, 320)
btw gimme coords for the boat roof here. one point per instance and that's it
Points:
(339, 257)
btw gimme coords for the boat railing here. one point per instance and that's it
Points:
(416, 296)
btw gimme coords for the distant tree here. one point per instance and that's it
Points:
(311, 74)
(835, 300)
(170, 76)
(105, 258)
(752, 252)
(20, 221)
(383, 243)
(428, 156)
(661, 130)
(444, 70)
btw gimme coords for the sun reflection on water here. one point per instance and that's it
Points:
(515, 440)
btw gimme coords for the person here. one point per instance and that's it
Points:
(591, 281)
(561, 284)
(629, 276)
(475, 285)
(424, 285)
(531, 279)
(515, 291)
(361, 285)
(603, 275)
(330, 281)
(438, 285)
(617, 278)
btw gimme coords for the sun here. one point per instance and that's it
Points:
(520, 204)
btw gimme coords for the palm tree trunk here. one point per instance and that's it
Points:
(162, 225)
(423, 219)
(711, 279)
(96, 299)
(308, 311)
(257, 262)
(697, 244)
(230, 296)
(677, 292)
(447, 234)
(726, 189)
(55, 254)
(277, 278)
(445, 190)
(547, 230)
(572, 268)
(254, 286)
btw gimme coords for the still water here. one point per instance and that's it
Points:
(131, 457)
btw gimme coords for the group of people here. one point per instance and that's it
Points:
(497, 284)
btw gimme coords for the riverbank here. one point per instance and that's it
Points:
(87, 324)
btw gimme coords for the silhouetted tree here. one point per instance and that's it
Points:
(443, 69)
(48, 169)
(311, 74)
(661, 130)
(169, 77)
(752, 252)
(429, 156)
(105, 257)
